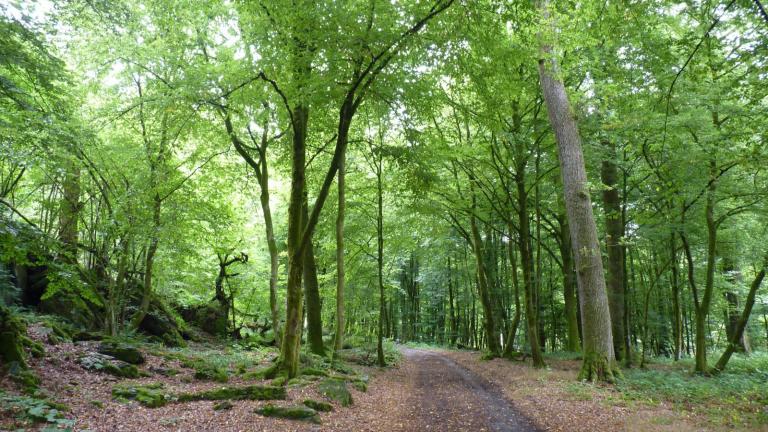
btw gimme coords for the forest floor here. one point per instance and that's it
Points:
(428, 390)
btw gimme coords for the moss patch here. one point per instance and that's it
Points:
(253, 392)
(222, 406)
(122, 351)
(289, 412)
(336, 389)
(318, 405)
(151, 395)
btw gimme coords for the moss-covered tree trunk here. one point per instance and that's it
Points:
(338, 341)
(599, 360)
(312, 293)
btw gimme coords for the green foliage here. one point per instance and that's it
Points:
(32, 410)
(733, 397)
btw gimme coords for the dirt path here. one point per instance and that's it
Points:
(447, 397)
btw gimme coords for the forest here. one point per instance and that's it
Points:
(383, 215)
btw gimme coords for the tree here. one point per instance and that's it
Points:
(599, 360)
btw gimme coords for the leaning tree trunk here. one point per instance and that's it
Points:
(599, 359)
(733, 341)
(614, 233)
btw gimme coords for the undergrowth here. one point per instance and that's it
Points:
(735, 397)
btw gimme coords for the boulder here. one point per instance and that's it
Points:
(93, 361)
(121, 351)
(289, 412)
(336, 389)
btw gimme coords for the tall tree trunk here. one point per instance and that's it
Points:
(573, 343)
(312, 296)
(701, 305)
(613, 235)
(381, 361)
(483, 289)
(338, 341)
(69, 212)
(677, 314)
(512, 333)
(261, 169)
(149, 263)
(289, 352)
(526, 259)
(599, 359)
(453, 332)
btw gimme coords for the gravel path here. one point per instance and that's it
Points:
(447, 397)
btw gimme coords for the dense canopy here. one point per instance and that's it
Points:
(518, 178)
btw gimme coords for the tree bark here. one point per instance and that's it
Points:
(380, 360)
(312, 296)
(483, 289)
(512, 333)
(339, 337)
(573, 343)
(526, 258)
(599, 359)
(613, 235)
(69, 212)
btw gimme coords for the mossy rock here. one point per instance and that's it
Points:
(122, 370)
(13, 331)
(252, 392)
(290, 412)
(208, 372)
(336, 389)
(222, 406)
(103, 363)
(314, 372)
(122, 351)
(151, 396)
(318, 405)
